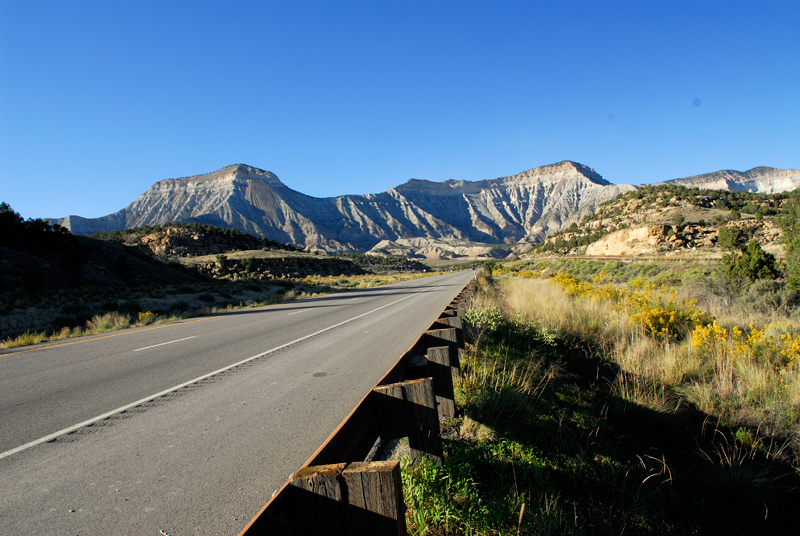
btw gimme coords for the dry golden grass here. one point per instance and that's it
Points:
(729, 376)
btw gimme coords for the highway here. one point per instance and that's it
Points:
(189, 427)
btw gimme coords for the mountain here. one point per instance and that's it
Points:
(521, 208)
(760, 180)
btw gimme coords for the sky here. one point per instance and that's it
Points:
(100, 99)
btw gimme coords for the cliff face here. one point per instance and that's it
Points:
(761, 180)
(523, 207)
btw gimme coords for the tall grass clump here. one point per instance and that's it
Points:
(108, 322)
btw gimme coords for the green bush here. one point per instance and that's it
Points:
(751, 263)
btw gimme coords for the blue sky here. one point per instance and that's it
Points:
(99, 99)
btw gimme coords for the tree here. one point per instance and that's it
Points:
(790, 224)
(729, 238)
(751, 264)
(16, 232)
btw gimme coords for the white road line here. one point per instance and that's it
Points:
(163, 343)
(298, 312)
(93, 420)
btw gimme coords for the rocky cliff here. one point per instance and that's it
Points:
(760, 180)
(521, 208)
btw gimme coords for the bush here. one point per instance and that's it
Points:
(767, 296)
(790, 223)
(180, 305)
(147, 318)
(751, 264)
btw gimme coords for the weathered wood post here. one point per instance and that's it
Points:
(444, 375)
(458, 324)
(374, 498)
(343, 499)
(316, 489)
(448, 311)
(408, 409)
(445, 337)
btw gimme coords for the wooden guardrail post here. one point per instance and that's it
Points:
(459, 305)
(444, 375)
(445, 337)
(458, 323)
(343, 499)
(316, 489)
(408, 409)
(448, 311)
(374, 498)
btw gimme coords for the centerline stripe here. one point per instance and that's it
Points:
(137, 331)
(93, 420)
(163, 343)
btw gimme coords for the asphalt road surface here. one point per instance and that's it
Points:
(189, 427)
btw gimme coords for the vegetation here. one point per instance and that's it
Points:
(749, 264)
(669, 204)
(16, 232)
(234, 236)
(608, 398)
(790, 222)
(384, 263)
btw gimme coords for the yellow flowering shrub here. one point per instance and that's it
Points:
(147, 318)
(657, 321)
(657, 310)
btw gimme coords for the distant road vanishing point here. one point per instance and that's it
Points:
(189, 427)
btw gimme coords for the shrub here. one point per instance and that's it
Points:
(180, 305)
(147, 318)
(751, 263)
(790, 223)
(108, 322)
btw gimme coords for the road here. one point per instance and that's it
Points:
(189, 427)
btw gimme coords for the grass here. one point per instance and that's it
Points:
(578, 419)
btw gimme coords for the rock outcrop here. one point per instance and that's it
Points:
(662, 239)
(279, 267)
(761, 180)
(521, 208)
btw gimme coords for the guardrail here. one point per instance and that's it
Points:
(336, 491)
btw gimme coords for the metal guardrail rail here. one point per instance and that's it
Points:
(336, 491)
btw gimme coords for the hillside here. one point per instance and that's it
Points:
(231, 254)
(38, 258)
(53, 283)
(760, 180)
(673, 219)
(520, 208)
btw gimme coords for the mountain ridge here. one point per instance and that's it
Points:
(761, 179)
(517, 209)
